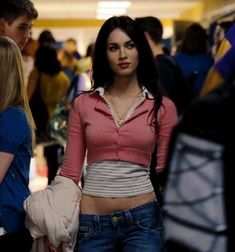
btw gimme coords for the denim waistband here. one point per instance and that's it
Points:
(128, 214)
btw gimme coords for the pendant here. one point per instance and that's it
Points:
(120, 121)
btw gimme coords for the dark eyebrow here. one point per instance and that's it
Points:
(111, 44)
(24, 24)
(127, 42)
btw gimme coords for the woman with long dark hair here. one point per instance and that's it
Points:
(118, 123)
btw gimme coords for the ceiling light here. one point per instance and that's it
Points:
(104, 16)
(111, 11)
(106, 9)
(114, 4)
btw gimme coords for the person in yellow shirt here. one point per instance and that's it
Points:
(52, 83)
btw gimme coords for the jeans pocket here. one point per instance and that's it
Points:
(85, 233)
(148, 223)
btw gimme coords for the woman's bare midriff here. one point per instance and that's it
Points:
(101, 205)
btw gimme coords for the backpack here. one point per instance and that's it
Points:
(198, 208)
(57, 124)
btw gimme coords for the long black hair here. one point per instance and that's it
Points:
(147, 74)
(46, 60)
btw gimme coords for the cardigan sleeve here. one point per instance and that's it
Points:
(167, 120)
(75, 146)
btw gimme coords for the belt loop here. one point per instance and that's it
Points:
(97, 223)
(129, 218)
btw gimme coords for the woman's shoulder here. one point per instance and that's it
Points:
(62, 79)
(166, 101)
(85, 101)
(63, 75)
(168, 105)
(182, 56)
(13, 118)
(12, 112)
(87, 97)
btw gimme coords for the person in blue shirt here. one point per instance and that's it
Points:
(16, 143)
(194, 58)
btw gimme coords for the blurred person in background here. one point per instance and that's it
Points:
(48, 78)
(171, 78)
(16, 20)
(82, 78)
(16, 144)
(194, 58)
(221, 70)
(153, 30)
(28, 54)
(70, 45)
(46, 38)
(68, 63)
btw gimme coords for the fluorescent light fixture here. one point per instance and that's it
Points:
(111, 11)
(114, 4)
(107, 14)
(107, 9)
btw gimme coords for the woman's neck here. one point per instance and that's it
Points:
(124, 87)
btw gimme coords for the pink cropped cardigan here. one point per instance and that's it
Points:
(91, 128)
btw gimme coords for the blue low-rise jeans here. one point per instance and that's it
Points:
(135, 230)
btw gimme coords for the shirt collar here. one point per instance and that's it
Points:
(145, 92)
